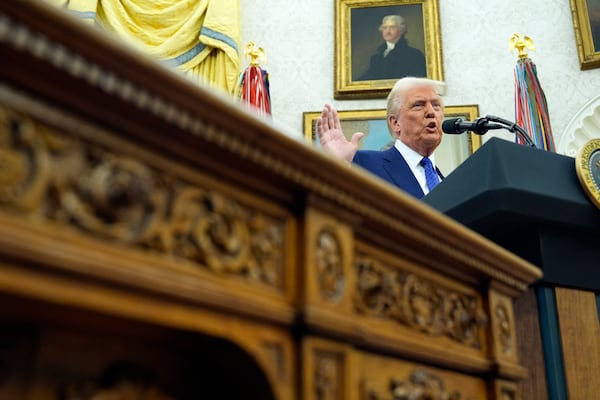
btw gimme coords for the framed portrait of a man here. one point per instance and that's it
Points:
(453, 150)
(586, 21)
(379, 42)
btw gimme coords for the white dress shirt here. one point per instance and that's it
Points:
(413, 159)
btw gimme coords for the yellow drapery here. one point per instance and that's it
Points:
(199, 37)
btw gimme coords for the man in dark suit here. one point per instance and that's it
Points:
(395, 58)
(414, 114)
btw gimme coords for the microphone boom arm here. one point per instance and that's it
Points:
(514, 128)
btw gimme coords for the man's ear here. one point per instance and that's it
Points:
(392, 122)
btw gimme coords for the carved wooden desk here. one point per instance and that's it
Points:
(156, 238)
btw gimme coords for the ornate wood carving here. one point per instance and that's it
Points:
(55, 176)
(391, 293)
(421, 385)
(505, 333)
(329, 263)
(503, 326)
(328, 379)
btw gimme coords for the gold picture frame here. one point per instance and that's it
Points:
(373, 123)
(357, 37)
(586, 21)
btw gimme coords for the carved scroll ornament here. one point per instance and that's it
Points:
(58, 177)
(419, 303)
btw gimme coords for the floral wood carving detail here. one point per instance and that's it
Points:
(505, 334)
(419, 303)
(421, 385)
(58, 177)
(330, 271)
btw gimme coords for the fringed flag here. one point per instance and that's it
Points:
(531, 110)
(253, 85)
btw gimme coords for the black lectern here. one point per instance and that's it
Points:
(530, 201)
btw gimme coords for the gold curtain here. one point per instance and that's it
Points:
(198, 37)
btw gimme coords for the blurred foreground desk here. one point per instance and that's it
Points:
(157, 239)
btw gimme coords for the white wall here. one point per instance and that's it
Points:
(478, 65)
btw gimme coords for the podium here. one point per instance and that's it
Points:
(530, 201)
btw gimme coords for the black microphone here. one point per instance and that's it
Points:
(482, 125)
(457, 126)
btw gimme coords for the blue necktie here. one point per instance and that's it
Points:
(431, 176)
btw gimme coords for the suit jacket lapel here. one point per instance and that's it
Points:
(400, 173)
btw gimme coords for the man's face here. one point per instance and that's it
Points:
(392, 32)
(418, 123)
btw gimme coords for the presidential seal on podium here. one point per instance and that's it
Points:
(587, 164)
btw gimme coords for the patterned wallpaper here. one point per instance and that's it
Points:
(298, 36)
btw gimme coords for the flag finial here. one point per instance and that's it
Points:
(255, 53)
(521, 43)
